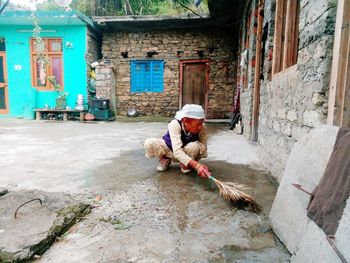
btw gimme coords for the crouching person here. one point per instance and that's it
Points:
(185, 141)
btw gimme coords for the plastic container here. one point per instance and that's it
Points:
(100, 103)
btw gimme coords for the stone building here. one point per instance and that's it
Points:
(162, 63)
(284, 87)
(277, 57)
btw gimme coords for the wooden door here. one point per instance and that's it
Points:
(194, 76)
(3, 84)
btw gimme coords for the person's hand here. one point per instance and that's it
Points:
(203, 170)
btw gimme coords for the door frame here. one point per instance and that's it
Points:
(5, 84)
(182, 63)
(339, 89)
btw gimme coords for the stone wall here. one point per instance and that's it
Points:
(172, 47)
(295, 100)
(93, 53)
(105, 79)
(93, 47)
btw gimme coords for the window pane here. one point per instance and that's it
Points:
(39, 46)
(56, 45)
(2, 98)
(57, 69)
(2, 80)
(2, 44)
(146, 76)
(40, 73)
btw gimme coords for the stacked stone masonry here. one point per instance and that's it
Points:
(294, 100)
(172, 47)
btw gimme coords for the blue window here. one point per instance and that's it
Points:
(147, 76)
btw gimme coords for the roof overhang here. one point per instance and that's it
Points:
(48, 18)
(45, 18)
(156, 23)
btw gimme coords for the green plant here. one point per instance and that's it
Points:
(57, 87)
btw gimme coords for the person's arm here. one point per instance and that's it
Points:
(202, 169)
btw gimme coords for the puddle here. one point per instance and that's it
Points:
(127, 169)
(182, 189)
(182, 218)
(208, 227)
(173, 217)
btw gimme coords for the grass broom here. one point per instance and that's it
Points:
(229, 191)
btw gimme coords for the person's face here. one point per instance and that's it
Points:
(193, 125)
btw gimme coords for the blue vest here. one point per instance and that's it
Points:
(186, 139)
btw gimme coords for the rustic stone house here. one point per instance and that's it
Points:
(282, 80)
(293, 77)
(162, 63)
(284, 86)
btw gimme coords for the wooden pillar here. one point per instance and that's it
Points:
(38, 115)
(339, 97)
(278, 39)
(256, 94)
(82, 116)
(290, 44)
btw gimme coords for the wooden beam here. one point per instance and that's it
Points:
(296, 34)
(342, 89)
(278, 38)
(346, 114)
(340, 70)
(256, 94)
(289, 33)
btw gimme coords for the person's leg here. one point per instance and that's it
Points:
(157, 148)
(196, 151)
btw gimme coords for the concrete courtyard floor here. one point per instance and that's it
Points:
(140, 215)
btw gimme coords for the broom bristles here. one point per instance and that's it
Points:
(229, 191)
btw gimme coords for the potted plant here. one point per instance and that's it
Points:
(61, 95)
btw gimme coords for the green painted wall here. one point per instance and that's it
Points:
(23, 98)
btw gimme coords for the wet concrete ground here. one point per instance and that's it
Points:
(141, 215)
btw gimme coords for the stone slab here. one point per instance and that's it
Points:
(306, 165)
(36, 225)
(342, 236)
(313, 247)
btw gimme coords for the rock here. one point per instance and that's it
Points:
(37, 225)
(3, 191)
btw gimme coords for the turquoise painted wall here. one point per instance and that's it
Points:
(23, 98)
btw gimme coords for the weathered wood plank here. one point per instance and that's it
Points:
(338, 102)
(278, 39)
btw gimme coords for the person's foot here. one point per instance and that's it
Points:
(185, 169)
(164, 164)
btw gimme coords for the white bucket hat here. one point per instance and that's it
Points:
(192, 111)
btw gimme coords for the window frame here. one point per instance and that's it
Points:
(285, 46)
(50, 54)
(152, 64)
